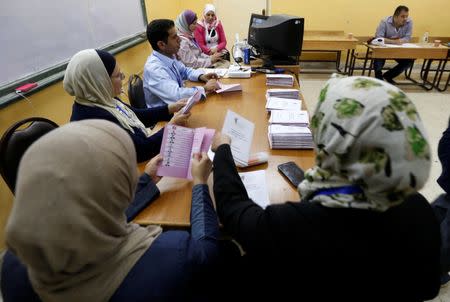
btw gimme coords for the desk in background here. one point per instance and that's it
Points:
(334, 41)
(173, 207)
(421, 51)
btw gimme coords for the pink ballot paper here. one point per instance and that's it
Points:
(191, 102)
(178, 146)
(228, 87)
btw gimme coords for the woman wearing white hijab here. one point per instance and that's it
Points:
(68, 234)
(94, 78)
(361, 230)
(209, 32)
(190, 52)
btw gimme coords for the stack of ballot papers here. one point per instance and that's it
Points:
(279, 80)
(283, 93)
(228, 87)
(241, 132)
(290, 117)
(274, 103)
(289, 137)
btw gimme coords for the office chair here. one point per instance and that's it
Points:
(136, 92)
(16, 140)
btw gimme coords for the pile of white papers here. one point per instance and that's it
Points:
(289, 137)
(255, 184)
(290, 117)
(279, 80)
(274, 103)
(283, 93)
(241, 132)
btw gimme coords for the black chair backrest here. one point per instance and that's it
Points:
(136, 92)
(16, 140)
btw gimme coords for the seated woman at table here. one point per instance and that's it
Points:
(190, 52)
(361, 229)
(209, 32)
(67, 235)
(441, 205)
(95, 79)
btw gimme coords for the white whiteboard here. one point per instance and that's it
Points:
(38, 34)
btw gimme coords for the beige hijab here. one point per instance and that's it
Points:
(68, 223)
(86, 78)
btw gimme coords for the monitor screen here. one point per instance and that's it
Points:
(277, 37)
(257, 19)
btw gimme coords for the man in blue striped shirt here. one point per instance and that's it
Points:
(395, 29)
(164, 74)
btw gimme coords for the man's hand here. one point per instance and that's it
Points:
(207, 76)
(201, 168)
(219, 139)
(152, 166)
(211, 85)
(175, 107)
(179, 118)
(216, 57)
(212, 50)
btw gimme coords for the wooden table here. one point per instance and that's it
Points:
(172, 208)
(330, 41)
(422, 51)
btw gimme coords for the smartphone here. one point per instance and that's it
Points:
(292, 172)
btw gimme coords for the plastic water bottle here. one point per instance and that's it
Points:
(425, 37)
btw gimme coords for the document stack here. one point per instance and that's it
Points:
(279, 80)
(274, 103)
(283, 93)
(290, 117)
(289, 137)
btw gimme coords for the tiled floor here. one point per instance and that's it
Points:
(434, 109)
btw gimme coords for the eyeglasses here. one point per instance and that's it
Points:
(121, 76)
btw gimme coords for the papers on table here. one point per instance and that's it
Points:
(289, 137)
(283, 93)
(279, 80)
(228, 87)
(290, 117)
(274, 103)
(404, 45)
(241, 132)
(255, 184)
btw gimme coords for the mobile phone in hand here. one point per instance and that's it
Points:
(292, 172)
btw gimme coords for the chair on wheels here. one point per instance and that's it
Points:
(136, 92)
(16, 140)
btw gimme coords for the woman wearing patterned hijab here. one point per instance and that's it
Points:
(95, 79)
(190, 52)
(361, 230)
(68, 237)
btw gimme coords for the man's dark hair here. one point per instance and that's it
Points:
(158, 30)
(400, 9)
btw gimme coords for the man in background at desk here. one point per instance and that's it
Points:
(395, 29)
(164, 74)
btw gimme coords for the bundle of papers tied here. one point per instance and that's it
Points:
(279, 80)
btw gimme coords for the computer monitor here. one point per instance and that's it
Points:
(278, 38)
